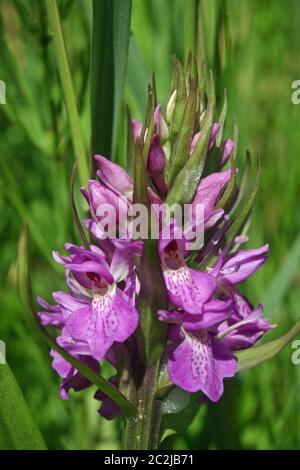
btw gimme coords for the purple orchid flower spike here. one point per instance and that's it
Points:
(136, 302)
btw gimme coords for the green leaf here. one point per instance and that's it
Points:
(68, 90)
(176, 400)
(147, 137)
(245, 209)
(15, 198)
(244, 183)
(186, 182)
(180, 98)
(140, 192)
(25, 292)
(152, 297)
(251, 357)
(138, 77)
(74, 210)
(229, 191)
(221, 121)
(181, 419)
(110, 41)
(181, 148)
(190, 27)
(17, 428)
(284, 277)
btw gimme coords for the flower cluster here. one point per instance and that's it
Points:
(207, 318)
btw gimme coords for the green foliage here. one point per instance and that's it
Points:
(18, 430)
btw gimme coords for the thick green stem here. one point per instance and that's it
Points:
(143, 432)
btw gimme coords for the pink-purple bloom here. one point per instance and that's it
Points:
(206, 317)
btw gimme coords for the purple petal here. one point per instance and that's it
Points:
(189, 289)
(137, 127)
(75, 380)
(68, 303)
(245, 326)
(110, 318)
(243, 264)
(54, 319)
(212, 140)
(156, 157)
(209, 190)
(200, 363)
(114, 176)
(214, 312)
(60, 365)
(227, 150)
(173, 317)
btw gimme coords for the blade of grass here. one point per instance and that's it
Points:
(17, 428)
(110, 41)
(13, 195)
(283, 279)
(68, 90)
(190, 27)
(251, 357)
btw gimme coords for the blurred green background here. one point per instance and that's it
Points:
(253, 47)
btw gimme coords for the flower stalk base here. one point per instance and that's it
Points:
(143, 431)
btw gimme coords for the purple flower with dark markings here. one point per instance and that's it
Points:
(197, 361)
(200, 356)
(140, 304)
(108, 315)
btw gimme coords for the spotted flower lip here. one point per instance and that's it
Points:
(200, 356)
(107, 315)
(197, 361)
(109, 318)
